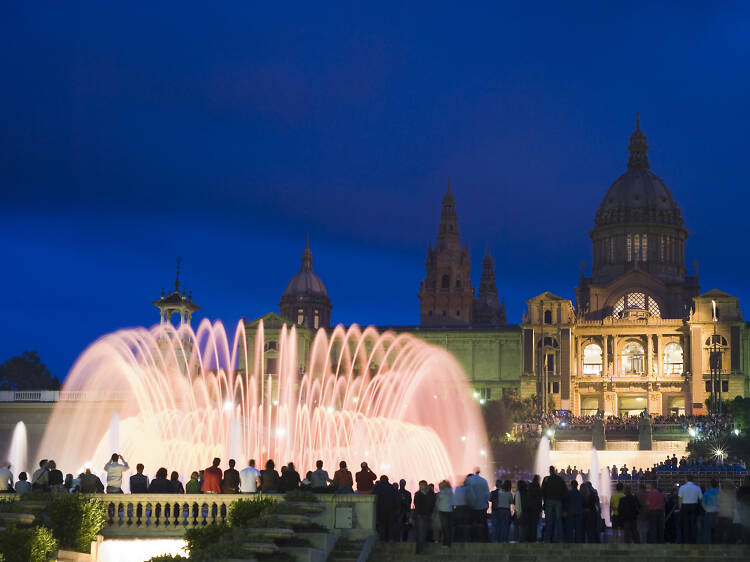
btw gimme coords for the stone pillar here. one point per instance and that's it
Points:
(616, 364)
(605, 356)
(697, 390)
(649, 354)
(610, 403)
(659, 356)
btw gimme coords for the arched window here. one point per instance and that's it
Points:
(270, 345)
(592, 359)
(673, 359)
(633, 359)
(636, 301)
(548, 317)
(458, 283)
(316, 319)
(445, 282)
(717, 339)
(300, 316)
(548, 342)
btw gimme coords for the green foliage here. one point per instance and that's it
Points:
(265, 523)
(243, 511)
(76, 520)
(203, 537)
(229, 544)
(26, 371)
(740, 410)
(26, 545)
(301, 496)
(168, 558)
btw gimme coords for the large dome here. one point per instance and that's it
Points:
(638, 195)
(306, 282)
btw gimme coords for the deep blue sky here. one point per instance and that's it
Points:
(223, 132)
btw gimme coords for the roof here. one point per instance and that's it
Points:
(716, 294)
(270, 321)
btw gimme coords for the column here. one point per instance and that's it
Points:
(649, 353)
(659, 355)
(615, 363)
(605, 355)
(697, 389)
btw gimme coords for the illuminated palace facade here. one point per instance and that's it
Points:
(639, 335)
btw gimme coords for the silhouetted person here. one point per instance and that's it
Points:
(230, 484)
(533, 510)
(160, 484)
(138, 481)
(365, 479)
(194, 485)
(320, 480)
(55, 477)
(269, 478)
(405, 508)
(212, 478)
(629, 509)
(424, 503)
(386, 508)
(554, 493)
(342, 478)
(290, 479)
(177, 488)
(90, 483)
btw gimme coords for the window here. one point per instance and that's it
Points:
(644, 248)
(429, 313)
(300, 316)
(316, 319)
(632, 359)
(725, 386)
(485, 393)
(662, 244)
(549, 362)
(629, 248)
(553, 387)
(592, 360)
(637, 247)
(548, 317)
(272, 364)
(458, 283)
(673, 360)
(636, 301)
(270, 345)
(717, 339)
(611, 250)
(548, 342)
(445, 283)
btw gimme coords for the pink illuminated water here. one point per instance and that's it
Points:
(177, 398)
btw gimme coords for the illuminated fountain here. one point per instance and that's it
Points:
(176, 398)
(17, 453)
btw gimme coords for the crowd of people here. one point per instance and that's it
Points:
(563, 507)
(705, 426)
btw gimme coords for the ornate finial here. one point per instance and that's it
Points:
(177, 278)
(307, 255)
(448, 199)
(638, 148)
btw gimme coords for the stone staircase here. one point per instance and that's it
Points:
(346, 550)
(561, 552)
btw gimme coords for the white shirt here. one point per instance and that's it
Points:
(689, 493)
(114, 473)
(6, 480)
(249, 480)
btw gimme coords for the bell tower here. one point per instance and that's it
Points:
(446, 295)
(176, 302)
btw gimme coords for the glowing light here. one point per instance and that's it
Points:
(483, 453)
(275, 402)
(550, 433)
(434, 396)
(640, 399)
(280, 432)
(476, 395)
(463, 438)
(228, 406)
(691, 432)
(355, 399)
(329, 409)
(481, 401)
(736, 431)
(507, 435)
(563, 424)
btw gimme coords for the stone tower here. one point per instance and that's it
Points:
(487, 309)
(305, 301)
(446, 295)
(176, 302)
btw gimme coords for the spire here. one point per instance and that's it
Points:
(307, 255)
(448, 220)
(638, 148)
(487, 285)
(177, 278)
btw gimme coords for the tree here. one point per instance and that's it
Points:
(27, 372)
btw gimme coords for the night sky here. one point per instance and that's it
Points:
(223, 133)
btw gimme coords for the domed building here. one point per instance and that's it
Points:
(639, 335)
(305, 300)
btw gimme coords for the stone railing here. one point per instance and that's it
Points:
(170, 515)
(58, 396)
